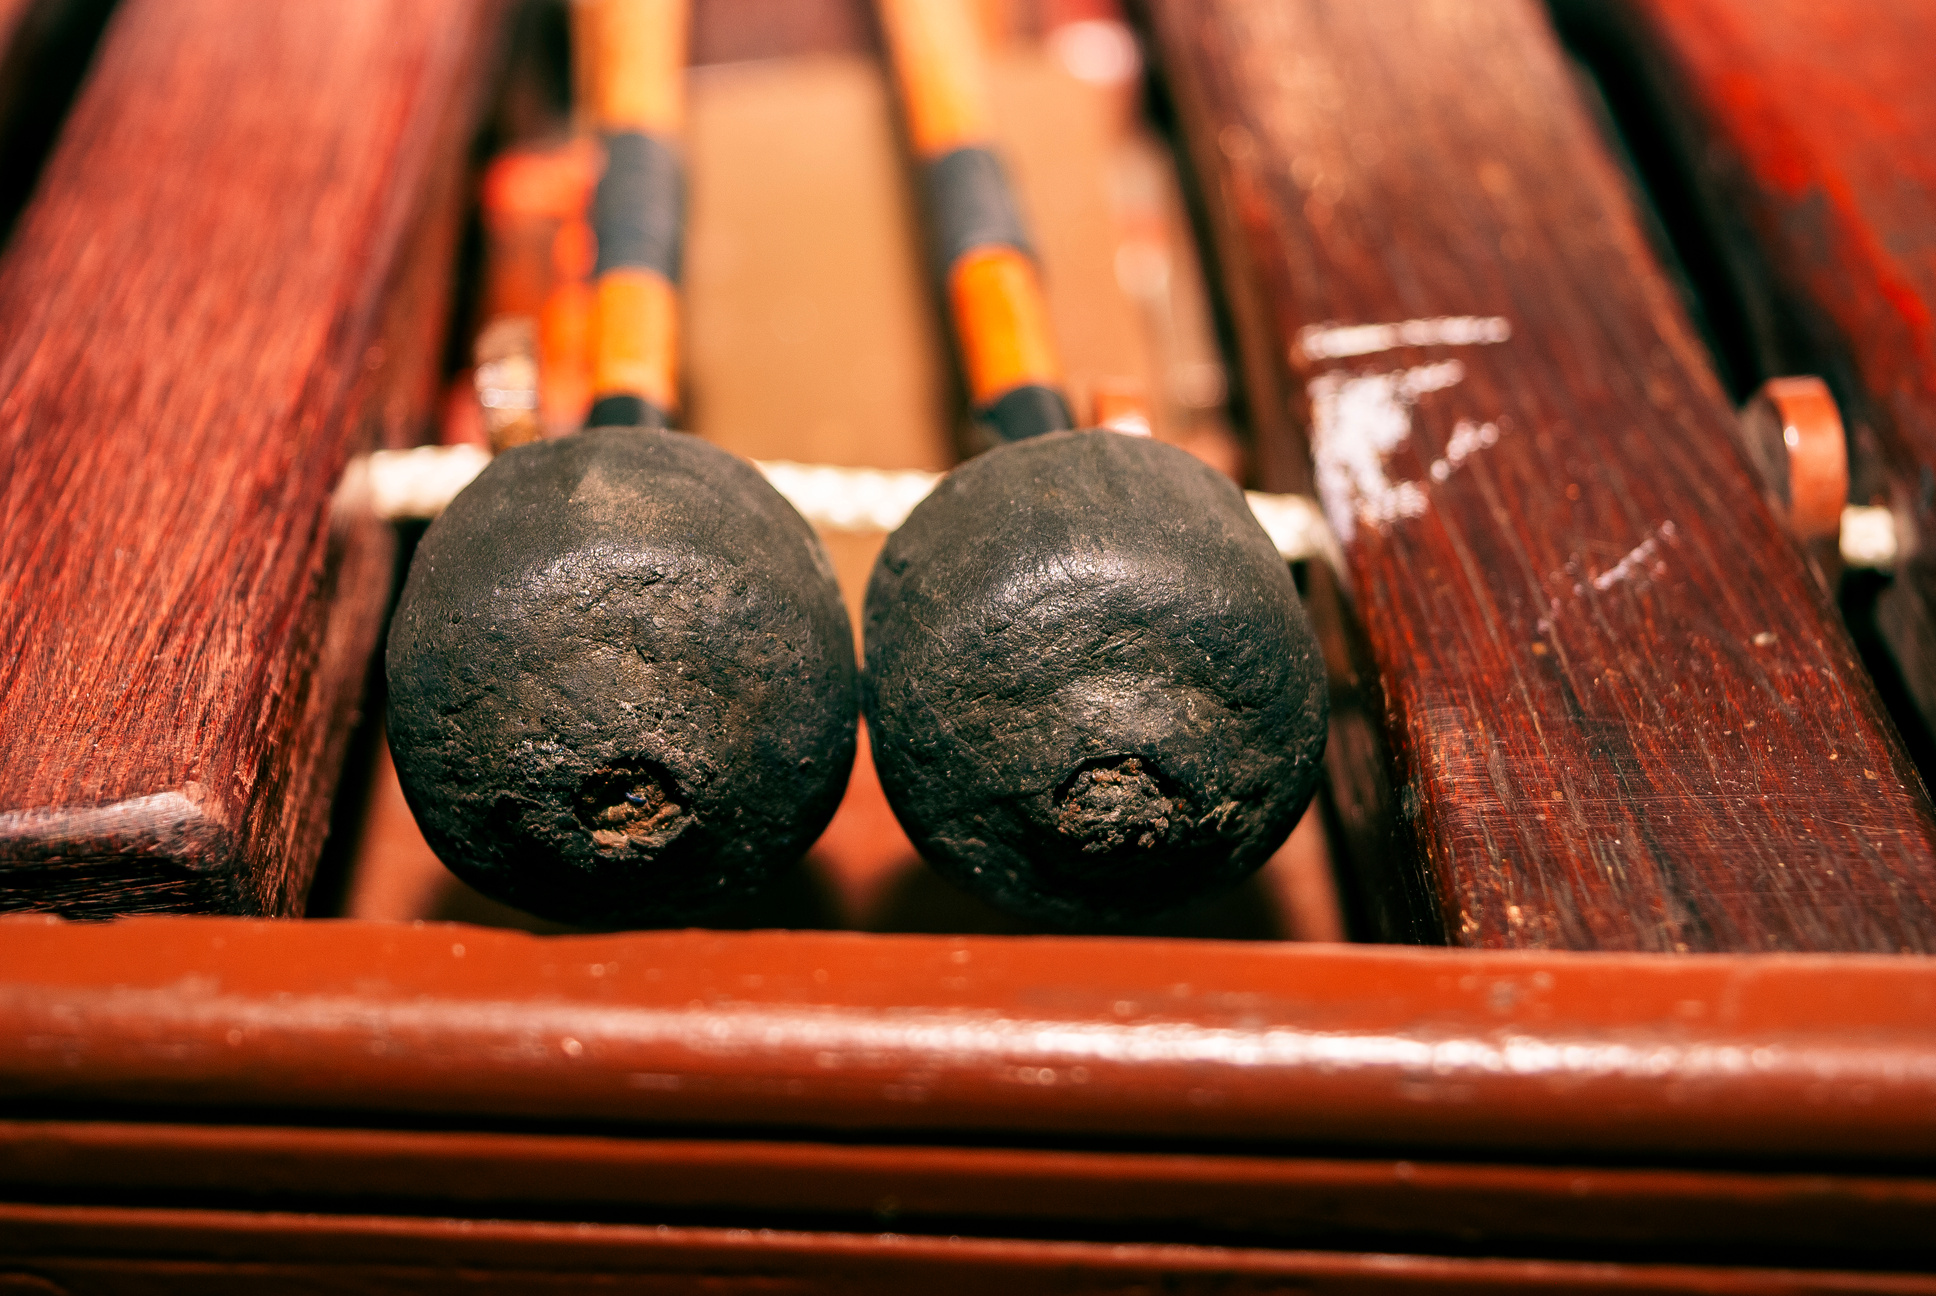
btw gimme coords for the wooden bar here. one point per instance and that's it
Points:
(1770, 1059)
(1871, 1219)
(233, 279)
(99, 1249)
(1802, 134)
(1619, 713)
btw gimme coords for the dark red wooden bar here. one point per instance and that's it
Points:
(1803, 134)
(233, 278)
(1619, 715)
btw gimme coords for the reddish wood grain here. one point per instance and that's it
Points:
(109, 1249)
(1621, 716)
(1773, 1058)
(232, 279)
(1870, 1220)
(1806, 132)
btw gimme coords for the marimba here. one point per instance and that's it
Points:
(1623, 802)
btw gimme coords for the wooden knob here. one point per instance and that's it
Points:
(1793, 433)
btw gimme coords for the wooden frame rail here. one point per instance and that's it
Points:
(1768, 1107)
(1771, 1059)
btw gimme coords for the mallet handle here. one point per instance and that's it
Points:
(636, 95)
(981, 251)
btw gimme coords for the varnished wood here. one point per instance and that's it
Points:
(1081, 1193)
(937, 58)
(233, 278)
(1620, 714)
(637, 58)
(106, 1249)
(1771, 1060)
(1803, 135)
(1001, 321)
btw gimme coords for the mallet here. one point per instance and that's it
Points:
(622, 682)
(1091, 688)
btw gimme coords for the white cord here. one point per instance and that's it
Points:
(1868, 537)
(848, 499)
(406, 484)
(1296, 526)
(417, 484)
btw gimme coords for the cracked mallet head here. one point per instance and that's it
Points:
(622, 681)
(1091, 688)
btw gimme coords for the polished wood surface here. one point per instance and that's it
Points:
(1082, 1192)
(1767, 1109)
(638, 62)
(1619, 713)
(937, 58)
(1803, 134)
(234, 277)
(1001, 320)
(1773, 1059)
(93, 1250)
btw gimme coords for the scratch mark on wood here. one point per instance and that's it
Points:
(1339, 341)
(1637, 559)
(1357, 422)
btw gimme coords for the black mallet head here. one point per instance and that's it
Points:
(1091, 688)
(622, 682)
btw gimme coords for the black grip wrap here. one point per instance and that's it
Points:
(971, 205)
(1028, 411)
(623, 410)
(639, 212)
